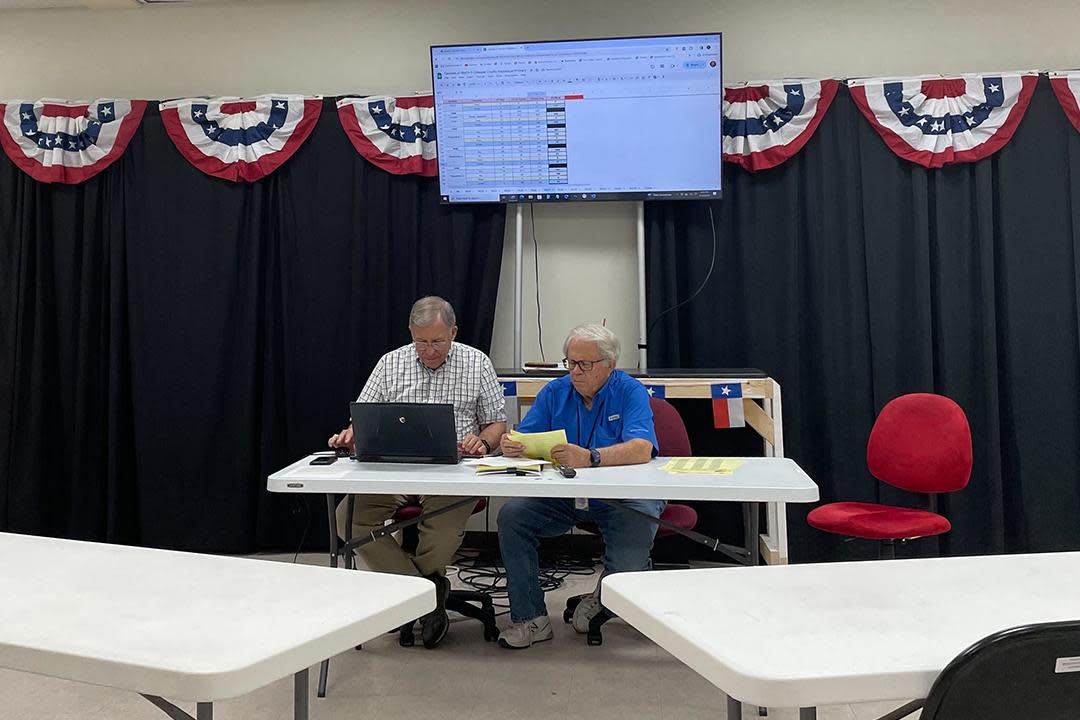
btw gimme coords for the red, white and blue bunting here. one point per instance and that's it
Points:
(68, 142)
(941, 121)
(395, 134)
(240, 140)
(766, 124)
(1067, 88)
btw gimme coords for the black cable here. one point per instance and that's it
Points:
(306, 510)
(536, 269)
(484, 573)
(712, 264)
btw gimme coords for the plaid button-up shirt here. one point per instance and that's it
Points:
(467, 380)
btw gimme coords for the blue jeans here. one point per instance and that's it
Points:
(628, 538)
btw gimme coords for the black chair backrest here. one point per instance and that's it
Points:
(1030, 672)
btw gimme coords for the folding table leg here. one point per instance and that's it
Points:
(734, 709)
(808, 713)
(324, 669)
(204, 711)
(300, 695)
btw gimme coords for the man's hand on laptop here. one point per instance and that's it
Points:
(342, 439)
(472, 445)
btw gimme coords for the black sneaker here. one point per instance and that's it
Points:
(435, 624)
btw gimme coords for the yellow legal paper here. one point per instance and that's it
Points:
(538, 445)
(701, 466)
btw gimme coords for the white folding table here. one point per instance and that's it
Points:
(186, 626)
(824, 634)
(758, 480)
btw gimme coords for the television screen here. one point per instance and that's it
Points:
(583, 120)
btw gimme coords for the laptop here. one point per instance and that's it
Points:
(405, 432)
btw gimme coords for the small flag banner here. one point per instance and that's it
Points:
(509, 389)
(727, 406)
(657, 391)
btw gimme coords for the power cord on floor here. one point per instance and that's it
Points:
(484, 573)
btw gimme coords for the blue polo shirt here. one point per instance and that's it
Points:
(620, 412)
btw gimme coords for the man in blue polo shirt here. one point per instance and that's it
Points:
(607, 420)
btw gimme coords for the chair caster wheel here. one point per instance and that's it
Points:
(406, 638)
(594, 640)
(568, 615)
(491, 634)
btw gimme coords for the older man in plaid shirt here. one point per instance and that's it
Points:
(431, 369)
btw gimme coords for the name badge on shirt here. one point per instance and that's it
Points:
(612, 418)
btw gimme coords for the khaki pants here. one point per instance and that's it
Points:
(440, 536)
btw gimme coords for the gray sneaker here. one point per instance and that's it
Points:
(523, 634)
(586, 610)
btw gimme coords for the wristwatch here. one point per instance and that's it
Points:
(594, 457)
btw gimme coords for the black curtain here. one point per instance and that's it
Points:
(170, 339)
(852, 276)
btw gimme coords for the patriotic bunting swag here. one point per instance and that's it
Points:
(941, 121)
(68, 142)
(240, 140)
(1067, 88)
(395, 134)
(765, 125)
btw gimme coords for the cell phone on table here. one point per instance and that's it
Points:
(323, 460)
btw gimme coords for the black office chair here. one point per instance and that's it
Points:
(1032, 671)
(468, 603)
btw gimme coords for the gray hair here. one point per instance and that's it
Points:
(427, 310)
(605, 340)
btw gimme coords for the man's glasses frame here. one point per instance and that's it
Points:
(439, 345)
(585, 365)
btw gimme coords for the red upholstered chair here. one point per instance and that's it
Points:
(470, 603)
(673, 442)
(920, 443)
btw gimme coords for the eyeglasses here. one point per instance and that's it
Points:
(439, 345)
(585, 365)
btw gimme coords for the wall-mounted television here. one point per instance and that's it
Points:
(635, 118)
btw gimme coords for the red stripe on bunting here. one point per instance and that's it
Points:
(74, 175)
(241, 106)
(241, 170)
(765, 159)
(747, 93)
(1067, 99)
(415, 165)
(948, 156)
(71, 111)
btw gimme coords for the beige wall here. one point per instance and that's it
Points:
(587, 252)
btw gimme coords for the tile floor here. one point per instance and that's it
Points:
(628, 677)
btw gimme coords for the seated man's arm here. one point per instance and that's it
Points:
(637, 440)
(491, 434)
(632, 452)
(490, 414)
(374, 391)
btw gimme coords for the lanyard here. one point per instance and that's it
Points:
(596, 421)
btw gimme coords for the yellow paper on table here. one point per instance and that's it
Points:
(538, 445)
(701, 466)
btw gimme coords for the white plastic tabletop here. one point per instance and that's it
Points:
(823, 634)
(758, 479)
(183, 625)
